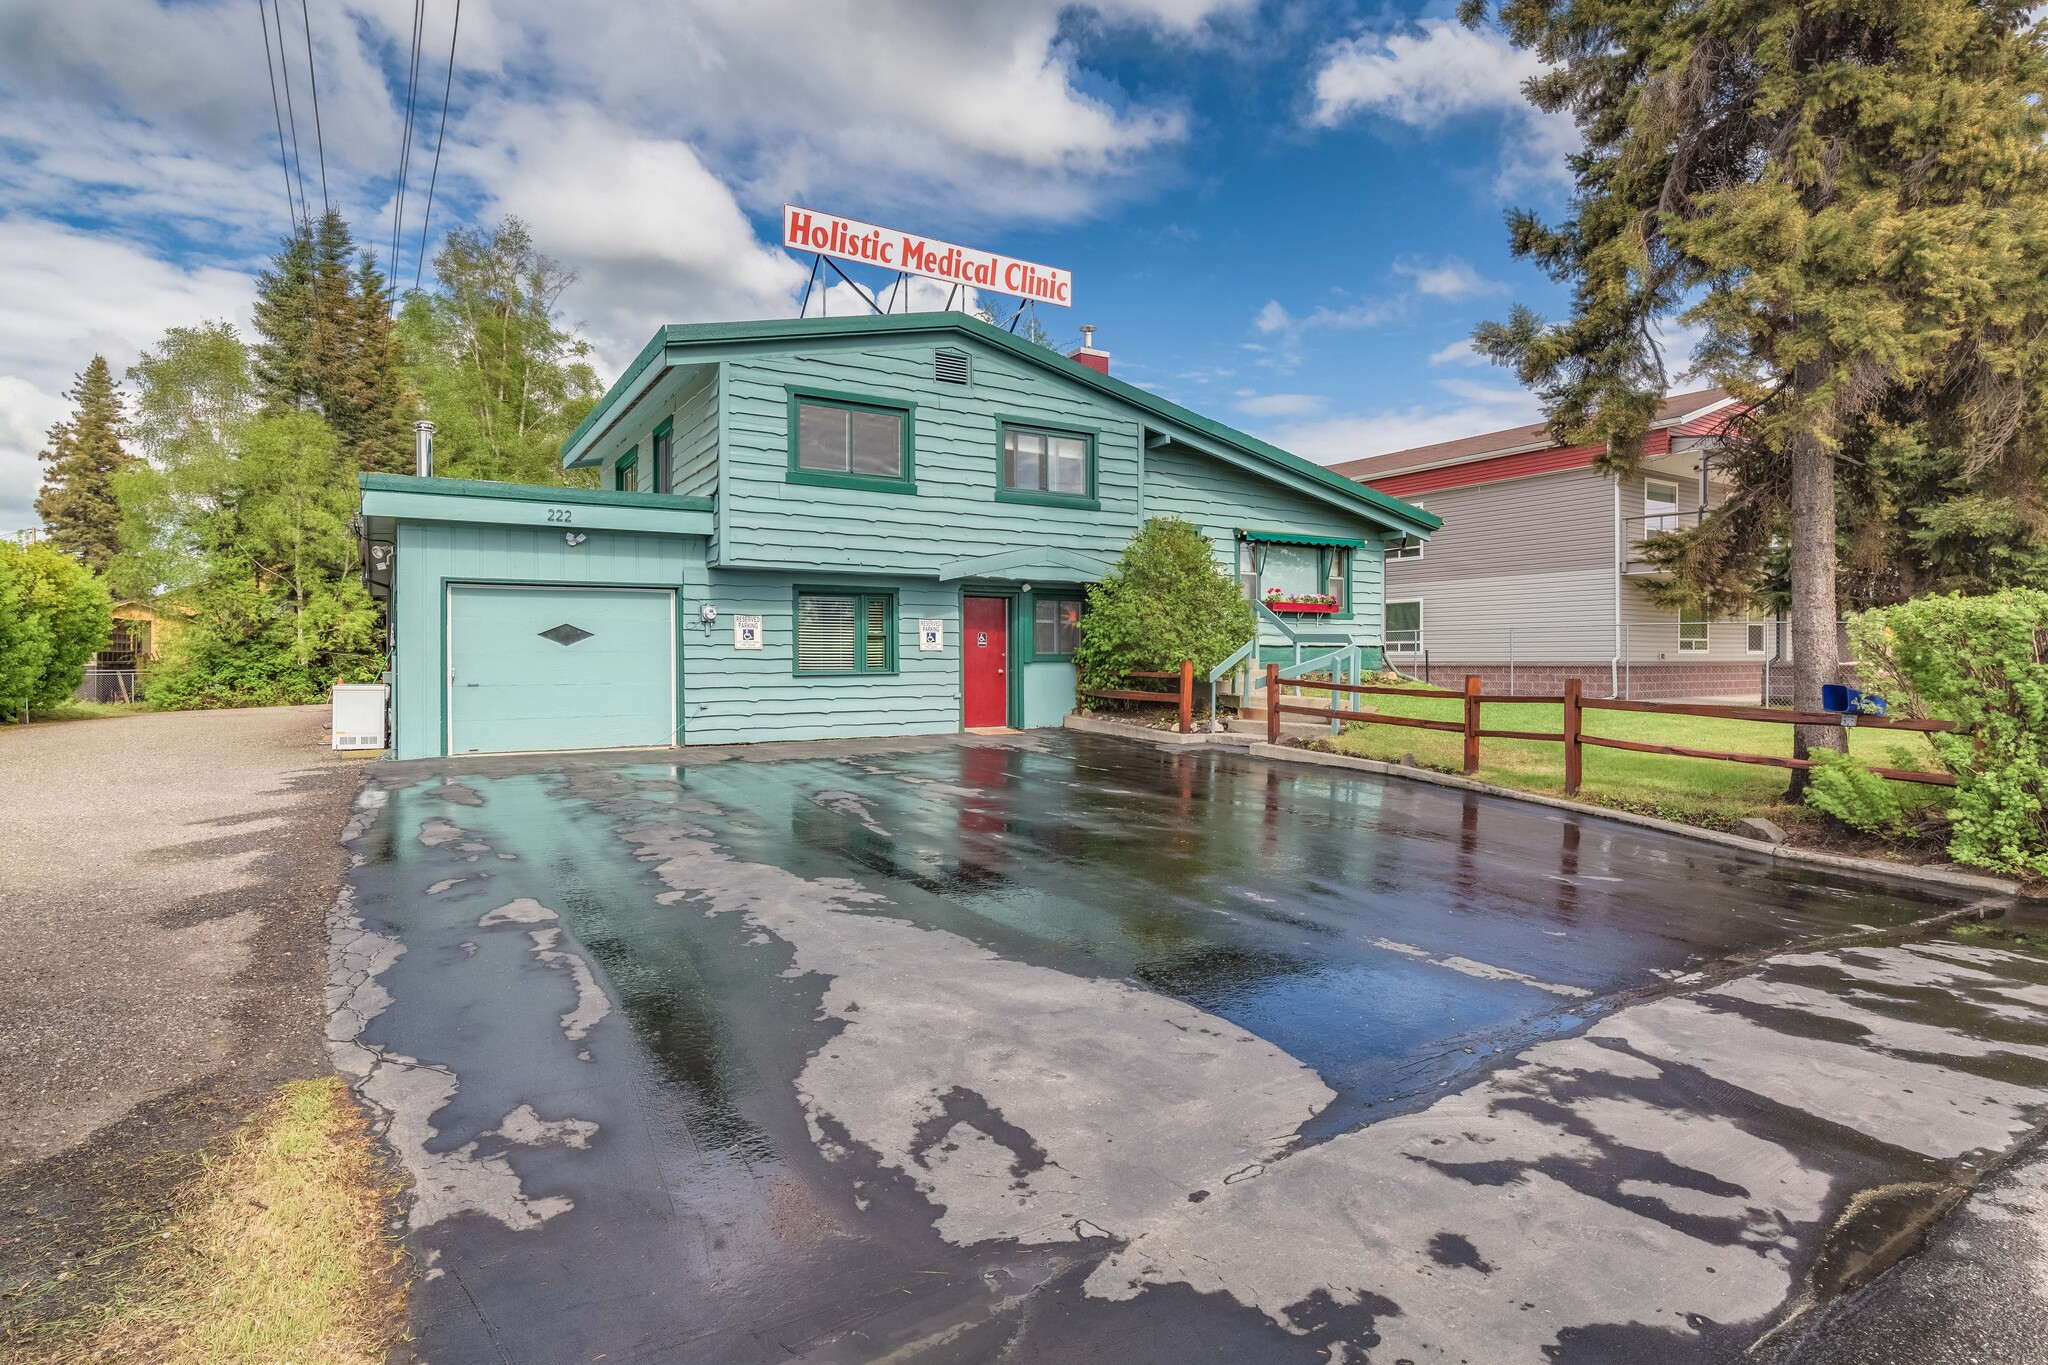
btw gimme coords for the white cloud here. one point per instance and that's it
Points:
(1457, 353)
(1279, 404)
(70, 294)
(637, 140)
(1439, 71)
(1352, 436)
(1450, 278)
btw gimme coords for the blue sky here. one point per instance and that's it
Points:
(1285, 215)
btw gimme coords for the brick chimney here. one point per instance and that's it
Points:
(1088, 355)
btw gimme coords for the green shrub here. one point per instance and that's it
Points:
(251, 647)
(1981, 662)
(1845, 788)
(1166, 600)
(55, 614)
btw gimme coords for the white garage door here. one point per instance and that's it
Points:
(532, 667)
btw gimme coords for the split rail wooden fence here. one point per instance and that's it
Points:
(1185, 696)
(1573, 737)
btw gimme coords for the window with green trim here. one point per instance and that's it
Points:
(625, 471)
(1056, 464)
(663, 452)
(857, 444)
(1318, 575)
(1055, 626)
(845, 632)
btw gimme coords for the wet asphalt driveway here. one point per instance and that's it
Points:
(1063, 1049)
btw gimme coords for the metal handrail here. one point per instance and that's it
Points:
(1220, 671)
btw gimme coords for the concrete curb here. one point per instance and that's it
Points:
(1171, 739)
(1869, 867)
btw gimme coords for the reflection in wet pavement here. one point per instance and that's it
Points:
(1066, 1049)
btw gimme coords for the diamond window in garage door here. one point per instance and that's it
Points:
(566, 634)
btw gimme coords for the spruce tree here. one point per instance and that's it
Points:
(77, 502)
(1850, 199)
(377, 436)
(281, 357)
(326, 340)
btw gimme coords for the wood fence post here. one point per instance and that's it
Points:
(1273, 703)
(1187, 696)
(1471, 723)
(1574, 756)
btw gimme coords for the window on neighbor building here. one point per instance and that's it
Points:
(625, 471)
(1407, 547)
(1660, 506)
(1055, 626)
(1052, 463)
(1759, 631)
(1692, 630)
(663, 452)
(851, 443)
(1403, 634)
(851, 632)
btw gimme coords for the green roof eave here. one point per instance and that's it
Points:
(677, 339)
(404, 497)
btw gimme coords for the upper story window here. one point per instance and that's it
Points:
(1660, 506)
(849, 442)
(1408, 547)
(1045, 465)
(626, 472)
(664, 452)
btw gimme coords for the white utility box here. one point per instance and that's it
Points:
(359, 715)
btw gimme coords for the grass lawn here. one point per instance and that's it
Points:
(278, 1252)
(71, 708)
(1699, 791)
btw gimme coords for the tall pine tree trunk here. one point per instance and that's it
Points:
(1816, 658)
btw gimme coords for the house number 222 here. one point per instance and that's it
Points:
(558, 514)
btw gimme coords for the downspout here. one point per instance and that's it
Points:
(1614, 664)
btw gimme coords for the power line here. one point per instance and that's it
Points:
(277, 114)
(284, 67)
(412, 82)
(420, 265)
(313, 76)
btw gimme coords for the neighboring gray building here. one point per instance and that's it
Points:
(1536, 573)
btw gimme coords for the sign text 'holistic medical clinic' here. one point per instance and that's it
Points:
(849, 239)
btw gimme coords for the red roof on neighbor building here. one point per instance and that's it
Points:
(1517, 452)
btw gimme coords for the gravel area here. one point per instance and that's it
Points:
(162, 879)
(164, 887)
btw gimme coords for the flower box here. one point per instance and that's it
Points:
(1304, 608)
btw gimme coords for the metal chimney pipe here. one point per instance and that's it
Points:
(423, 449)
(1087, 338)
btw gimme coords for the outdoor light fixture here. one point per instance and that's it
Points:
(574, 538)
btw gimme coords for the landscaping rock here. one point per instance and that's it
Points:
(1756, 827)
(1408, 761)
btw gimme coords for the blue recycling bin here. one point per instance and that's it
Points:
(1837, 697)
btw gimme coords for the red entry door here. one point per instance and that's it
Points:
(985, 641)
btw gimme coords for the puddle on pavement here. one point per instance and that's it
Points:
(1394, 939)
(1317, 913)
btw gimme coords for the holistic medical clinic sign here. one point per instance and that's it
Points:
(849, 239)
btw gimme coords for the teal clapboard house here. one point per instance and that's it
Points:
(823, 527)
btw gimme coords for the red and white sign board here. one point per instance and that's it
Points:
(849, 239)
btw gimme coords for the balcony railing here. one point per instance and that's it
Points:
(1635, 530)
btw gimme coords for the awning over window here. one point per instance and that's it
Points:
(1294, 538)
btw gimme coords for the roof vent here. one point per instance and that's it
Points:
(949, 366)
